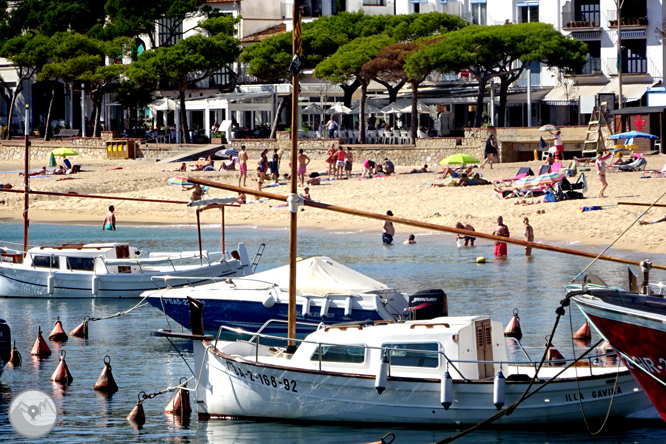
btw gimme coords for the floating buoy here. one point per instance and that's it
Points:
(499, 388)
(480, 260)
(95, 285)
(137, 417)
(554, 355)
(513, 329)
(81, 330)
(606, 347)
(446, 391)
(58, 333)
(180, 403)
(382, 373)
(386, 439)
(105, 382)
(40, 348)
(583, 333)
(15, 357)
(50, 284)
(61, 373)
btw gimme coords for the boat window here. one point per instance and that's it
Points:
(340, 353)
(414, 355)
(45, 261)
(81, 263)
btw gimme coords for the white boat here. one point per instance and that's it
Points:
(108, 270)
(397, 373)
(327, 292)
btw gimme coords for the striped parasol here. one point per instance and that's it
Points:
(178, 180)
(535, 181)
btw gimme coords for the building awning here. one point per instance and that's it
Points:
(521, 97)
(640, 110)
(568, 94)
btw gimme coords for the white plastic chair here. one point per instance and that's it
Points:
(318, 133)
(371, 136)
(357, 136)
(405, 137)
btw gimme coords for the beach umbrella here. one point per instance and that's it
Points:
(549, 127)
(369, 109)
(312, 109)
(634, 135)
(535, 181)
(421, 107)
(229, 152)
(392, 108)
(178, 180)
(337, 108)
(459, 159)
(64, 152)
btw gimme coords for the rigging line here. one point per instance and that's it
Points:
(618, 238)
(580, 396)
(181, 356)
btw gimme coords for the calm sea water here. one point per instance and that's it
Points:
(144, 363)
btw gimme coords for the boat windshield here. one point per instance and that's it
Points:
(414, 355)
(45, 261)
(350, 354)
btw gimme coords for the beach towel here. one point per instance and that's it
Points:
(590, 208)
(542, 144)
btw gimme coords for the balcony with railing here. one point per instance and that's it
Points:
(630, 65)
(581, 19)
(631, 18)
(592, 67)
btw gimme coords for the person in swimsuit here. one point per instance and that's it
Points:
(260, 179)
(388, 230)
(490, 152)
(647, 222)
(601, 174)
(274, 166)
(263, 165)
(529, 235)
(110, 220)
(469, 240)
(349, 160)
(303, 162)
(501, 230)
(368, 167)
(242, 166)
(306, 194)
(197, 192)
(331, 158)
(410, 240)
(340, 163)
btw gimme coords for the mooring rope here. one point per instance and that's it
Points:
(120, 313)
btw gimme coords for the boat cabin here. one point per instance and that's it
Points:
(413, 348)
(83, 257)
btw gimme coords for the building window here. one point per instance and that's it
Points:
(634, 59)
(168, 33)
(374, 2)
(593, 65)
(479, 12)
(588, 11)
(528, 12)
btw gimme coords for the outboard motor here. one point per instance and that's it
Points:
(5, 341)
(428, 304)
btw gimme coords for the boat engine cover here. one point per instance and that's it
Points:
(428, 304)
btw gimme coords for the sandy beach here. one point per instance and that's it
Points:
(407, 195)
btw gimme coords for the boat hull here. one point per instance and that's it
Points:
(16, 281)
(639, 335)
(232, 386)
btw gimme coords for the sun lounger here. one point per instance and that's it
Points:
(544, 169)
(657, 173)
(556, 167)
(636, 165)
(522, 172)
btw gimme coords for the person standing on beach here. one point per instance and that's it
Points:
(490, 152)
(242, 166)
(331, 125)
(501, 230)
(110, 220)
(349, 160)
(275, 165)
(559, 146)
(529, 235)
(303, 162)
(602, 168)
(389, 230)
(340, 163)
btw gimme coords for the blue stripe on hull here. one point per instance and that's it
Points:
(250, 315)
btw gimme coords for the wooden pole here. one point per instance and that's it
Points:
(426, 225)
(640, 204)
(199, 235)
(26, 181)
(92, 196)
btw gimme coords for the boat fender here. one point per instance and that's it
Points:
(324, 308)
(480, 260)
(58, 333)
(137, 417)
(513, 329)
(50, 284)
(106, 383)
(306, 307)
(583, 333)
(40, 348)
(81, 330)
(499, 390)
(180, 403)
(446, 391)
(95, 285)
(268, 301)
(15, 357)
(386, 439)
(382, 373)
(348, 306)
(61, 373)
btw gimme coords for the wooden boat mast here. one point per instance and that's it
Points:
(26, 180)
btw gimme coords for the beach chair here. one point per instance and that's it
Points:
(556, 167)
(656, 173)
(522, 172)
(67, 163)
(572, 170)
(544, 169)
(636, 165)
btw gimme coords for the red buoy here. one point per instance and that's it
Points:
(180, 403)
(583, 333)
(81, 330)
(15, 357)
(61, 373)
(512, 329)
(105, 382)
(40, 348)
(606, 347)
(58, 333)
(137, 417)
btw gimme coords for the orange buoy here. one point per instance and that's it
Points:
(81, 330)
(61, 373)
(583, 333)
(180, 403)
(606, 347)
(554, 355)
(15, 357)
(58, 333)
(137, 417)
(386, 439)
(40, 348)
(105, 382)
(512, 329)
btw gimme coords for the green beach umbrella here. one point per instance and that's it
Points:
(64, 152)
(459, 159)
